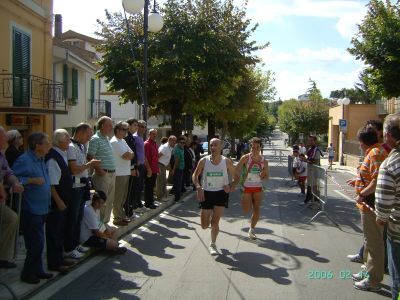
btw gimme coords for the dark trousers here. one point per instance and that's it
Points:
(178, 174)
(393, 252)
(33, 230)
(149, 184)
(135, 189)
(186, 178)
(55, 232)
(74, 218)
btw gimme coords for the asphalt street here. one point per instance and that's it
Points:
(168, 258)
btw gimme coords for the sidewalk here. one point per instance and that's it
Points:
(11, 277)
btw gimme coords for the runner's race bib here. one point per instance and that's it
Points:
(254, 175)
(215, 180)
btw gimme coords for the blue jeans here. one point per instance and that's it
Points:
(33, 230)
(74, 217)
(393, 251)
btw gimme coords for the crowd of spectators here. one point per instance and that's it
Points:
(76, 191)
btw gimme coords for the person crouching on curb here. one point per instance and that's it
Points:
(94, 233)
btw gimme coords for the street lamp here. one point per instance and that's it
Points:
(343, 102)
(152, 22)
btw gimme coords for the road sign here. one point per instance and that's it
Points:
(343, 125)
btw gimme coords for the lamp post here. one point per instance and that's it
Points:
(343, 102)
(152, 22)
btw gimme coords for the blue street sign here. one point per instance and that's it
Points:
(342, 124)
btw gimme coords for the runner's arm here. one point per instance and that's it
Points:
(233, 173)
(265, 171)
(197, 172)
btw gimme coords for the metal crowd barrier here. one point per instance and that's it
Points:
(317, 180)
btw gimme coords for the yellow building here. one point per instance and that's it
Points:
(356, 116)
(29, 97)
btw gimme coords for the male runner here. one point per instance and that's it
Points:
(213, 193)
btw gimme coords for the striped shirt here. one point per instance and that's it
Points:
(387, 194)
(100, 148)
(369, 169)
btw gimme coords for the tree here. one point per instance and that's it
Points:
(196, 63)
(313, 91)
(303, 117)
(377, 43)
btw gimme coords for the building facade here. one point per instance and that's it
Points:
(29, 95)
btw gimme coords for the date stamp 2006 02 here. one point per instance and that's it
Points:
(327, 274)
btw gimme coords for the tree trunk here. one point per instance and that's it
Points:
(211, 128)
(176, 119)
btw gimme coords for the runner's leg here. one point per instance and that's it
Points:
(205, 217)
(246, 202)
(216, 216)
(257, 197)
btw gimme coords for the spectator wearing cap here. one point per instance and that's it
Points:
(61, 197)
(31, 171)
(78, 166)
(8, 218)
(104, 174)
(15, 142)
(151, 154)
(122, 155)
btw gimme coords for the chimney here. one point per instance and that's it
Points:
(57, 26)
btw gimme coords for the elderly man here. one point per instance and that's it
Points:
(387, 201)
(61, 197)
(164, 156)
(31, 171)
(151, 154)
(123, 155)
(8, 218)
(78, 166)
(104, 173)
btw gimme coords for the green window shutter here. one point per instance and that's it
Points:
(92, 90)
(74, 85)
(21, 68)
(65, 81)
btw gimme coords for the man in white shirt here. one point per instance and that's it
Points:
(164, 157)
(78, 167)
(123, 155)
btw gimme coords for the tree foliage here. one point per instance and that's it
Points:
(377, 43)
(199, 64)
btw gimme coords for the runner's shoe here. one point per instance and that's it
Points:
(252, 234)
(213, 249)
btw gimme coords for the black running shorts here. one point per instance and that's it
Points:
(217, 198)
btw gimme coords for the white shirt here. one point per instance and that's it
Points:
(91, 221)
(54, 168)
(302, 168)
(331, 151)
(166, 151)
(302, 150)
(77, 153)
(215, 176)
(120, 147)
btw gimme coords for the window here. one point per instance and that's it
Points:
(21, 45)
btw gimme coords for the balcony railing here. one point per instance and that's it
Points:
(99, 108)
(388, 106)
(31, 93)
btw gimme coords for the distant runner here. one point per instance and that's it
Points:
(213, 193)
(253, 169)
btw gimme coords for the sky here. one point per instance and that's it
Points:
(308, 38)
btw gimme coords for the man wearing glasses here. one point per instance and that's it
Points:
(123, 155)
